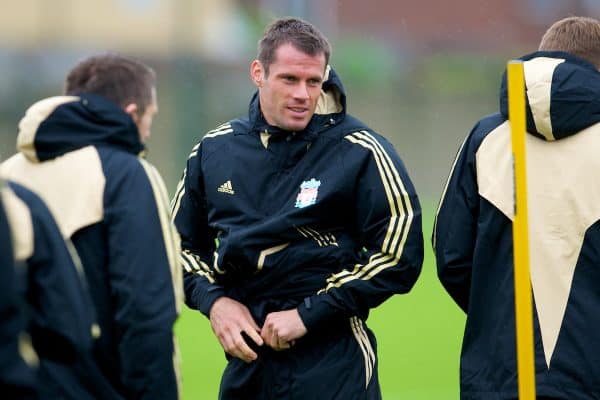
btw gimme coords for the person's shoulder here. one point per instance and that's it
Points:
(216, 139)
(128, 176)
(485, 126)
(222, 132)
(125, 171)
(226, 131)
(216, 136)
(339, 130)
(354, 131)
(116, 161)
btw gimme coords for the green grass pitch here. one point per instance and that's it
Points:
(418, 338)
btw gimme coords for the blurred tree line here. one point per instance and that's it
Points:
(424, 104)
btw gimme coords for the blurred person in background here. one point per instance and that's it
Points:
(81, 152)
(473, 238)
(17, 370)
(295, 222)
(48, 316)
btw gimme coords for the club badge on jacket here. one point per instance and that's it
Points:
(309, 190)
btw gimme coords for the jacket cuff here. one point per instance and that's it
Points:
(207, 298)
(315, 311)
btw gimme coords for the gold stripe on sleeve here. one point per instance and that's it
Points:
(400, 220)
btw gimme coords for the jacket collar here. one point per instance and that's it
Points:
(57, 125)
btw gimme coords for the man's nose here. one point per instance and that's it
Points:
(301, 91)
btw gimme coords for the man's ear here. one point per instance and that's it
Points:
(256, 73)
(131, 109)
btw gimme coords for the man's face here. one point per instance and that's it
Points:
(144, 120)
(289, 94)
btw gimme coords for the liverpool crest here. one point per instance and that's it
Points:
(308, 193)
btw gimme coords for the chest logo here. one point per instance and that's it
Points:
(309, 190)
(226, 188)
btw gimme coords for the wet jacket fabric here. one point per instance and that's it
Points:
(325, 220)
(473, 236)
(81, 155)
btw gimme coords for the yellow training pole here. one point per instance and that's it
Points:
(523, 304)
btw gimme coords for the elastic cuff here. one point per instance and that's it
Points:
(315, 311)
(208, 298)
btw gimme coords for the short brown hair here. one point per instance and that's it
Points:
(116, 77)
(300, 34)
(579, 36)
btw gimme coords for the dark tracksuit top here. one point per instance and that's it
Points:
(17, 372)
(325, 220)
(51, 296)
(473, 236)
(81, 154)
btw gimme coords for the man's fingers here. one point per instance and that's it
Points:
(253, 324)
(282, 344)
(273, 340)
(235, 345)
(254, 335)
(265, 334)
(244, 351)
(228, 345)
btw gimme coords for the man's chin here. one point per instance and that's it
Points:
(296, 127)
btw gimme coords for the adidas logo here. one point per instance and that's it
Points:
(226, 188)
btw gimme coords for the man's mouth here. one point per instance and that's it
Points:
(298, 110)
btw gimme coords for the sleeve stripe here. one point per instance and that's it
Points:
(388, 192)
(400, 192)
(176, 202)
(400, 220)
(319, 237)
(208, 277)
(361, 329)
(170, 235)
(210, 135)
(188, 262)
(373, 261)
(365, 347)
(221, 130)
(180, 191)
(192, 265)
(161, 204)
(299, 229)
(194, 261)
(460, 150)
(307, 233)
(185, 263)
(377, 263)
(172, 244)
(323, 240)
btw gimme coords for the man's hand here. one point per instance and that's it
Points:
(282, 328)
(228, 319)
